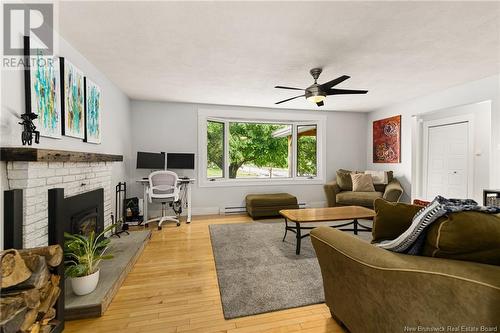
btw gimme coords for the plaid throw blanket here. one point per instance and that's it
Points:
(412, 240)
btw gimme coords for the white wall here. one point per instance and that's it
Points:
(487, 89)
(173, 127)
(116, 122)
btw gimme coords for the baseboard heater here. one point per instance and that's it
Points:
(239, 210)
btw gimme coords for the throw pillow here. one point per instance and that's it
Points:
(362, 183)
(471, 236)
(379, 177)
(344, 180)
(390, 176)
(419, 202)
(391, 219)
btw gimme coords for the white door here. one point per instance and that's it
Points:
(448, 161)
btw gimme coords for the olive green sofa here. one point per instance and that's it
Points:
(369, 289)
(337, 197)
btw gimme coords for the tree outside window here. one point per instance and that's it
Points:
(215, 149)
(255, 153)
(307, 151)
(260, 150)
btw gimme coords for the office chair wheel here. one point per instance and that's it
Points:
(178, 224)
(159, 227)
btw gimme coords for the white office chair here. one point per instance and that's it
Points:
(163, 188)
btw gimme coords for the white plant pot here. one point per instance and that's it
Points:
(85, 284)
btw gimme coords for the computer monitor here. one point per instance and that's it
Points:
(152, 161)
(180, 161)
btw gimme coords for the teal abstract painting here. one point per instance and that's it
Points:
(73, 101)
(45, 95)
(93, 112)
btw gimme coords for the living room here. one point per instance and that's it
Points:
(268, 120)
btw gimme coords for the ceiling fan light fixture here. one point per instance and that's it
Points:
(316, 93)
(316, 98)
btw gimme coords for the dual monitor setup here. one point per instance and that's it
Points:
(162, 161)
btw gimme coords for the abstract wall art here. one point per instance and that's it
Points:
(387, 140)
(73, 94)
(43, 92)
(93, 112)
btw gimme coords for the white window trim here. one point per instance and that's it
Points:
(295, 118)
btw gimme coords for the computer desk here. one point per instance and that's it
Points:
(183, 182)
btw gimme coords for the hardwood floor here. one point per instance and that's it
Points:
(173, 288)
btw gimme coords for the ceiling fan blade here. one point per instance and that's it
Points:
(334, 82)
(291, 88)
(286, 100)
(320, 103)
(345, 92)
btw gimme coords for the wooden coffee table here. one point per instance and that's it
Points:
(309, 215)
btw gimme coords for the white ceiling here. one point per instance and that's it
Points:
(234, 53)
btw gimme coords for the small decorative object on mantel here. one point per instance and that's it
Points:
(72, 91)
(491, 198)
(93, 109)
(387, 140)
(42, 92)
(29, 129)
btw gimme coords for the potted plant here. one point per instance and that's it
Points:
(84, 253)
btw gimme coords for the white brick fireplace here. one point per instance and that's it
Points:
(36, 178)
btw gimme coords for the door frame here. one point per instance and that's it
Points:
(469, 119)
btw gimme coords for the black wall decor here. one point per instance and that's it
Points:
(29, 129)
(62, 94)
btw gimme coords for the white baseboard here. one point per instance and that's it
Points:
(206, 211)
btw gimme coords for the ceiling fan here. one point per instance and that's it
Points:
(317, 93)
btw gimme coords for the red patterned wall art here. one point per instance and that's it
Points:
(387, 140)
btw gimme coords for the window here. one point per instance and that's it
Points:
(215, 149)
(307, 151)
(259, 150)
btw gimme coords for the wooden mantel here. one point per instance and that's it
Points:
(48, 155)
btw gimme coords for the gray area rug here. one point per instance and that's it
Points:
(258, 273)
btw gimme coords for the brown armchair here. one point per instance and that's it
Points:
(369, 289)
(337, 197)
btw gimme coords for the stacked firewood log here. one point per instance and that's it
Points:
(29, 289)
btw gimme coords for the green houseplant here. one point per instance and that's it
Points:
(84, 253)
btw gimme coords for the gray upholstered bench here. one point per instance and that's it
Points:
(269, 204)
